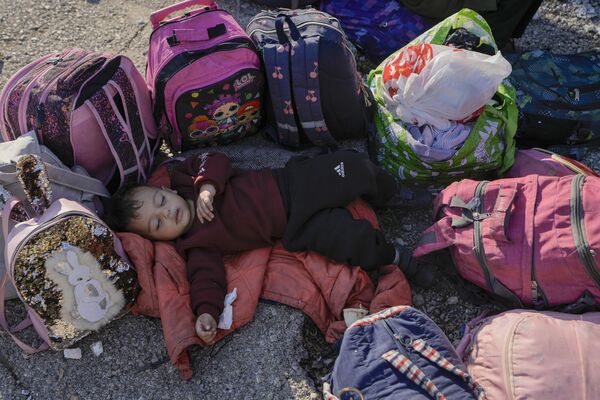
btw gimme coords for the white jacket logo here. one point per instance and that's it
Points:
(339, 169)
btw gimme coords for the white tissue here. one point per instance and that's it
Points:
(226, 317)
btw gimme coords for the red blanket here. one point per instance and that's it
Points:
(308, 281)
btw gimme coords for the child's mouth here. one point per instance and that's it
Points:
(178, 216)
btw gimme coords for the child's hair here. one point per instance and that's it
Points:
(121, 208)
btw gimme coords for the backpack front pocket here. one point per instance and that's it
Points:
(221, 112)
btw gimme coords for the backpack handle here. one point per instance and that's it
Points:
(195, 35)
(281, 35)
(10, 204)
(158, 16)
(22, 325)
(8, 207)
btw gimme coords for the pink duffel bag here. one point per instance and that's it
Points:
(530, 242)
(544, 162)
(532, 355)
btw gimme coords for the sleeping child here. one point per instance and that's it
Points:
(212, 209)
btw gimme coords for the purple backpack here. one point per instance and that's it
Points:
(530, 242)
(90, 109)
(377, 27)
(204, 75)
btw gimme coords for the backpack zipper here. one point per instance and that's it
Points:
(26, 94)
(478, 238)
(398, 339)
(585, 253)
(185, 59)
(538, 297)
(307, 23)
(303, 24)
(79, 61)
(305, 12)
(507, 360)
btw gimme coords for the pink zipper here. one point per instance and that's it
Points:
(46, 91)
(10, 84)
(25, 100)
(23, 116)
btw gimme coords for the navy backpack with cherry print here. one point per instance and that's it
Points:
(316, 95)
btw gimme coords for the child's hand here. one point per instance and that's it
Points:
(204, 205)
(206, 328)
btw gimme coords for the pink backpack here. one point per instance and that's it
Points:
(90, 109)
(69, 270)
(523, 354)
(530, 242)
(204, 75)
(544, 162)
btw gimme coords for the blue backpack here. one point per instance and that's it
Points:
(315, 92)
(377, 27)
(398, 353)
(558, 97)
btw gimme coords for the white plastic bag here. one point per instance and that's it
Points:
(433, 84)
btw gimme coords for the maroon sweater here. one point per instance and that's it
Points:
(249, 214)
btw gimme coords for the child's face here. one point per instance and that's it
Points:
(163, 215)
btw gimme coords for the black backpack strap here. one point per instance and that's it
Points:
(277, 64)
(307, 93)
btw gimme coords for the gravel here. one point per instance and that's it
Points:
(278, 355)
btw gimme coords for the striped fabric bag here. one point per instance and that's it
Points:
(399, 353)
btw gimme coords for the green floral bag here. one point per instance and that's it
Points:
(488, 150)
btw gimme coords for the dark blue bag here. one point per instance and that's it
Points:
(315, 92)
(377, 27)
(398, 353)
(558, 97)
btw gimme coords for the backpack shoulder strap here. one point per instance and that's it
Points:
(122, 83)
(307, 95)
(276, 59)
(10, 204)
(74, 180)
(117, 135)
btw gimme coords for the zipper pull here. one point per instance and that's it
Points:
(54, 61)
(534, 291)
(536, 295)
